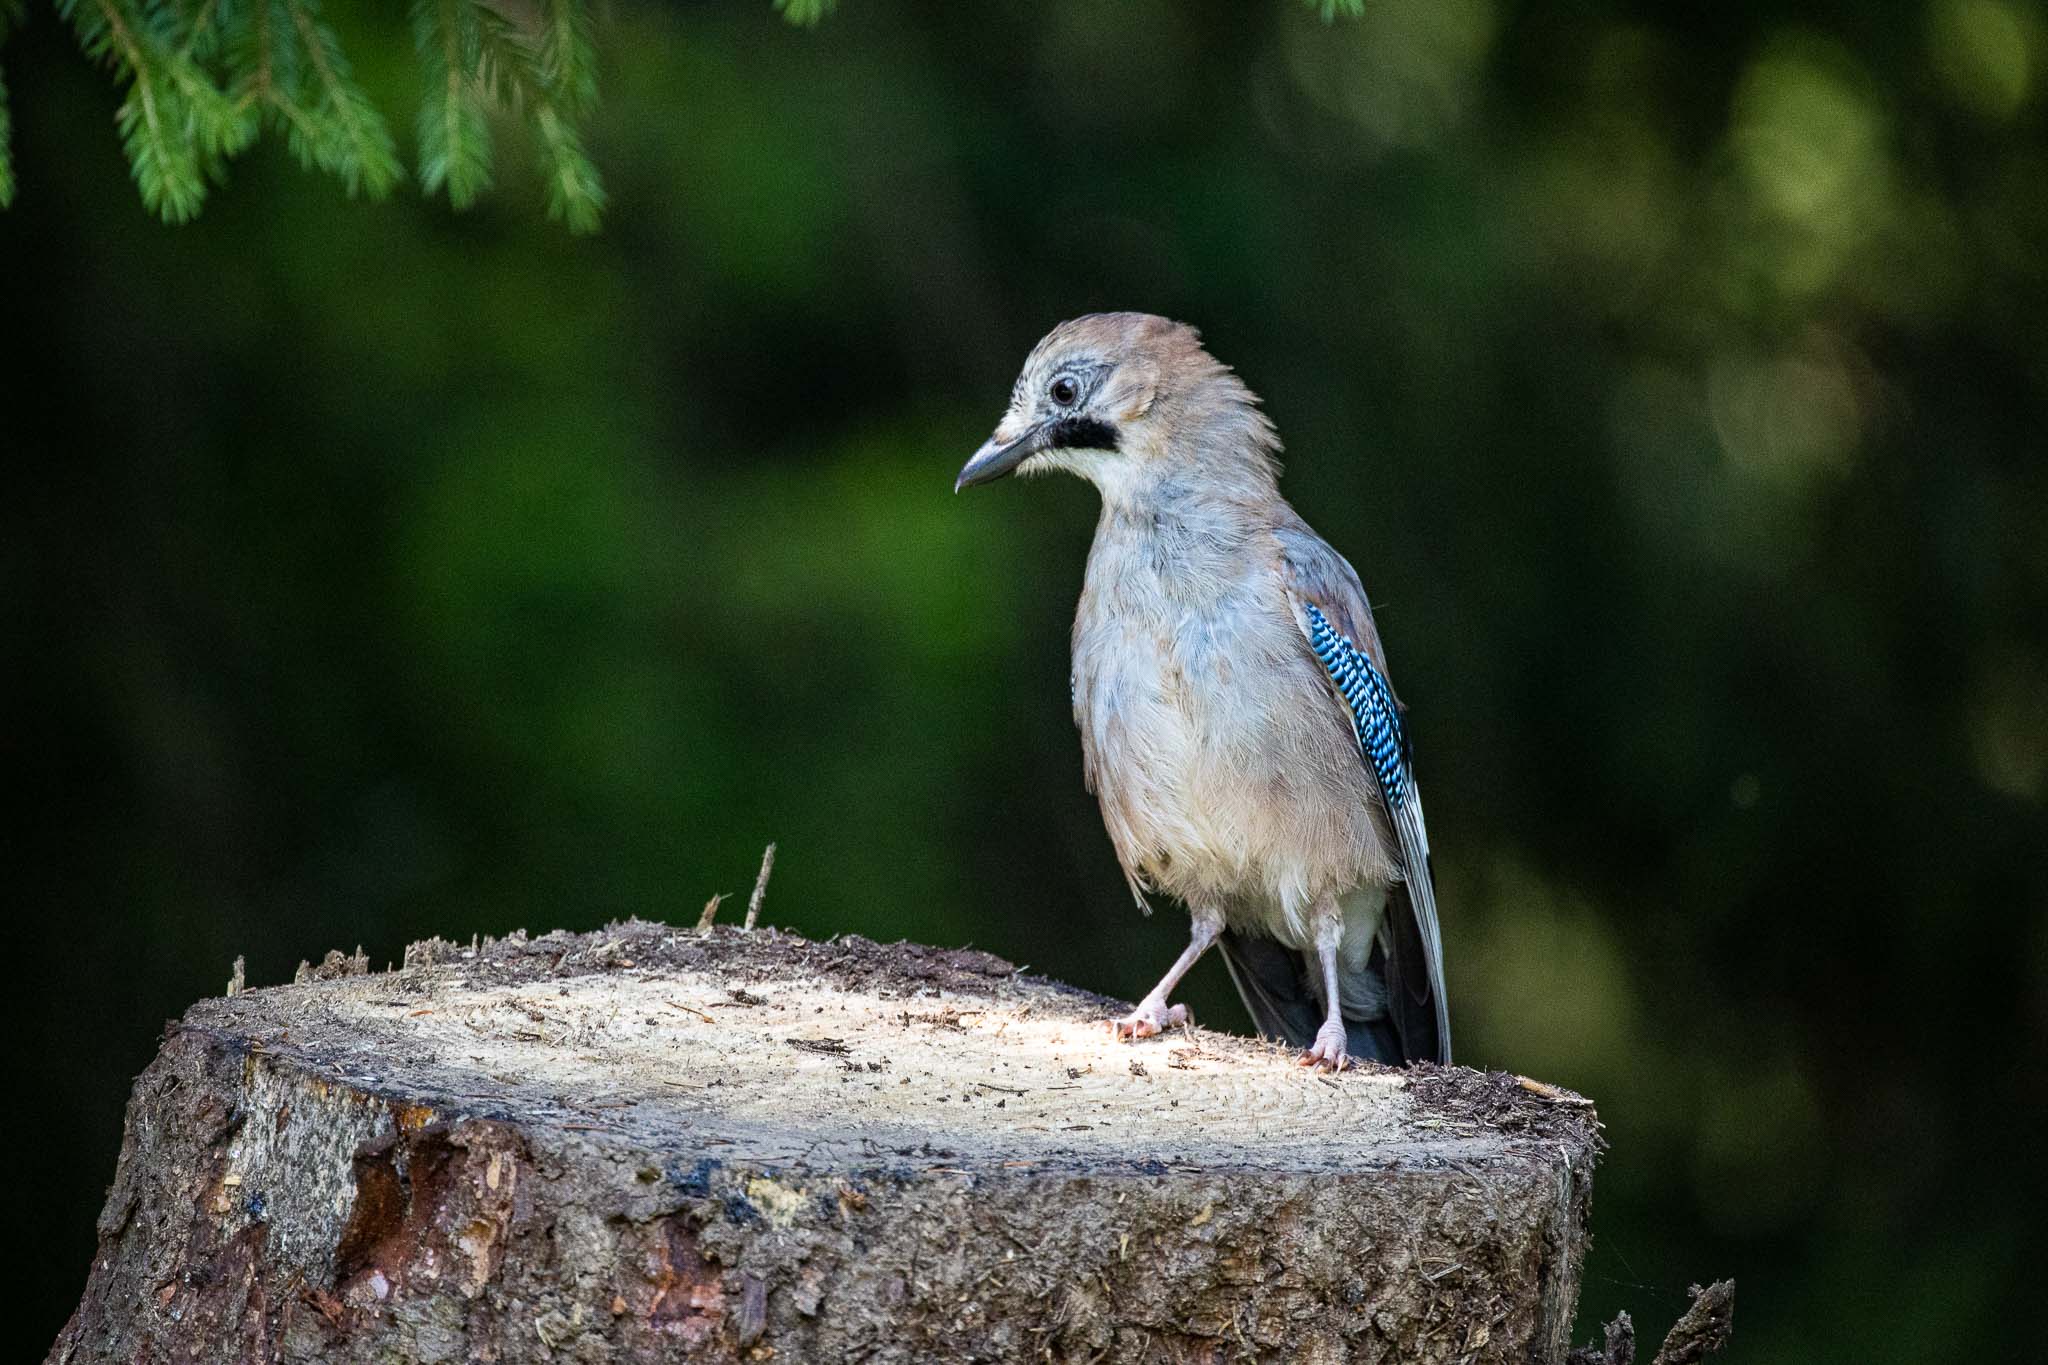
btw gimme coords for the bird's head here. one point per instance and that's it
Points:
(1123, 399)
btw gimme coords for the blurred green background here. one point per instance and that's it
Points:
(1676, 377)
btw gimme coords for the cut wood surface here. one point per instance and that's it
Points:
(652, 1143)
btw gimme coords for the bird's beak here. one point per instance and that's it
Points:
(1001, 453)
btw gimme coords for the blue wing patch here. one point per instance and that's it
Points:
(1375, 715)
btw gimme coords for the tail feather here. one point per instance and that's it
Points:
(1414, 1006)
(1278, 985)
(1274, 982)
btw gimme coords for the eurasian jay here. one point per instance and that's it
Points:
(1231, 690)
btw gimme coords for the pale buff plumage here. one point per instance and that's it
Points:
(1226, 767)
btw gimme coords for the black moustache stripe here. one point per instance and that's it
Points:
(1080, 433)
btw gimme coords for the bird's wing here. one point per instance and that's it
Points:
(1336, 623)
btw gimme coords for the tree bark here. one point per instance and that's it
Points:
(659, 1144)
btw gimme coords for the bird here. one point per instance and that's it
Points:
(1238, 727)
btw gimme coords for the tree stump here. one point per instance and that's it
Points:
(658, 1144)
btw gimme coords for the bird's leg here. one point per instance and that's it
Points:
(1153, 1015)
(1328, 1050)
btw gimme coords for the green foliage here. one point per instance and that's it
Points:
(337, 129)
(575, 197)
(202, 78)
(553, 81)
(176, 124)
(453, 127)
(568, 54)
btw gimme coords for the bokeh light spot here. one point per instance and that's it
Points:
(1807, 137)
(1405, 72)
(2009, 723)
(1788, 418)
(1984, 50)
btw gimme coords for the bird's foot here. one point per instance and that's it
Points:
(1151, 1016)
(1327, 1052)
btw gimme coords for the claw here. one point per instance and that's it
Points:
(1327, 1052)
(1151, 1016)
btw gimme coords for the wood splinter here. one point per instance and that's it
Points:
(760, 886)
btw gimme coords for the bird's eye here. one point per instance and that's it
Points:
(1064, 391)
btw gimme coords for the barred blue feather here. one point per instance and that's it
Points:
(1375, 715)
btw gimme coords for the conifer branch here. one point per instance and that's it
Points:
(453, 129)
(269, 80)
(568, 54)
(200, 79)
(576, 196)
(160, 130)
(356, 144)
